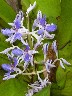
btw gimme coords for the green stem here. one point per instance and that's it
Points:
(29, 35)
(34, 73)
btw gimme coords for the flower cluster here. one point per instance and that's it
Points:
(25, 55)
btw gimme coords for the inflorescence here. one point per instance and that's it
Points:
(25, 57)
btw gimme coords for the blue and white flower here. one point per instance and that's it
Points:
(10, 68)
(44, 28)
(49, 65)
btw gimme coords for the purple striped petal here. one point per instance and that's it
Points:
(6, 67)
(51, 27)
(27, 48)
(17, 23)
(40, 31)
(17, 36)
(17, 52)
(27, 57)
(7, 32)
(43, 21)
(45, 48)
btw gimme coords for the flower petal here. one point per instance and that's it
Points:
(17, 52)
(61, 64)
(17, 36)
(7, 32)
(31, 7)
(51, 27)
(6, 67)
(64, 61)
(27, 57)
(40, 31)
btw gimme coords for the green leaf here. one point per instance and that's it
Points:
(61, 77)
(6, 12)
(65, 23)
(44, 92)
(48, 7)
(67, 91)
(13, 87)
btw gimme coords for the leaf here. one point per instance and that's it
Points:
(61, 77)
(55, 91)
(65, 23)
(13, 87)
(6, 12)
(64, 37)
(48, 7)
(67, 91)
(44, 92)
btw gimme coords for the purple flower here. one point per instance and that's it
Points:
(10, 68)
(45, 50)
(44, 28)
(49, 65)
(18, 22)
(54, 47)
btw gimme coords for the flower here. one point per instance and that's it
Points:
(17, 30)
(37, 86)
(49, 65)
(63, 61)
(10, 68)
(54, 47)
(18, 22)
(28, 56)
(31, 8)
(25, 55)
(45, 50)
(44, 28)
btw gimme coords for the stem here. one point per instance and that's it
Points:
(29, 35)
(34, 73)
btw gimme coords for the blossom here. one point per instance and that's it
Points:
(62, 62)
(54, 47)
(49, 65)
(45, 50)
(28, 56)
(10, 68)
(31, 8)
(17, 31)
(18, 22)
(25, 55)
(37, 86)
(44, 28)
